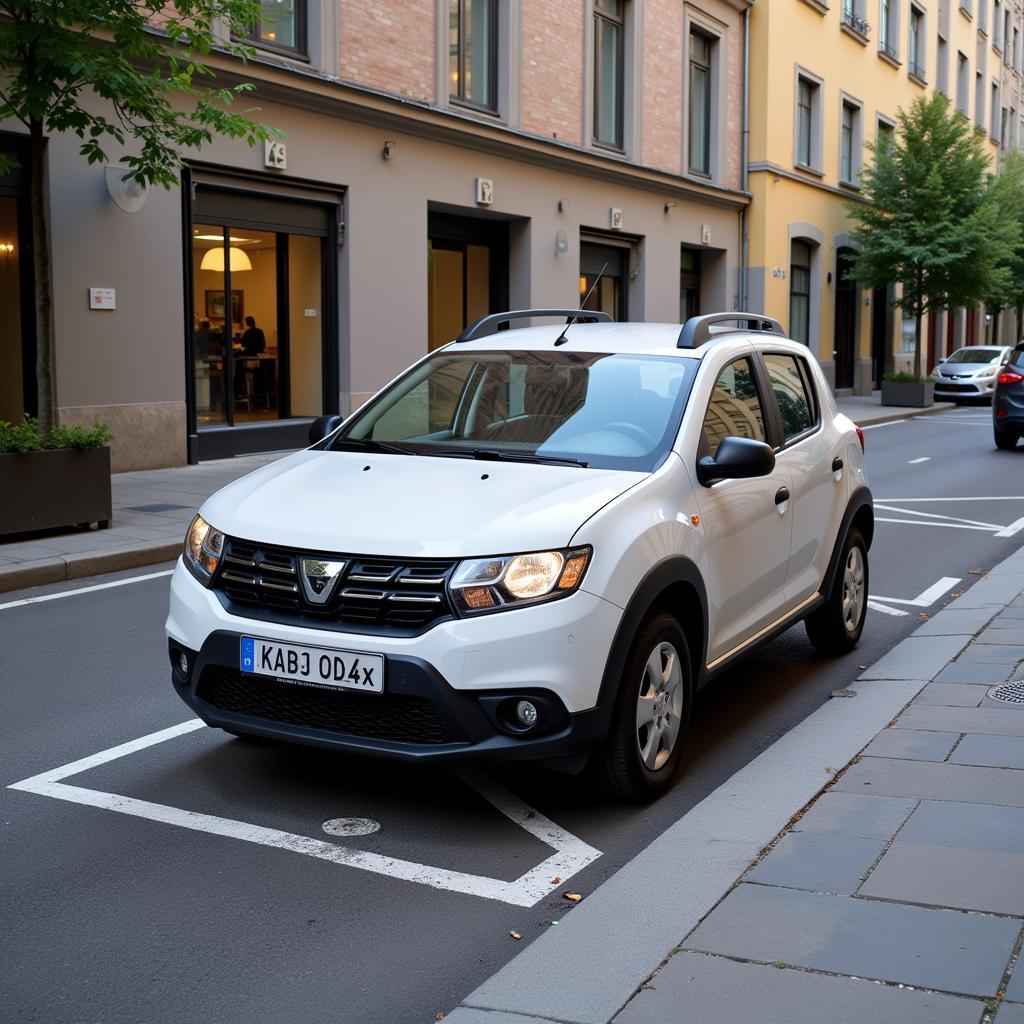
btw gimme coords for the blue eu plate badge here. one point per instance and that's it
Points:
(248, 654)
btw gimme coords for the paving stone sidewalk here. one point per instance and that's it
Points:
(152, 508)
(898, 894)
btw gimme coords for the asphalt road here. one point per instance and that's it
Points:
(114, 917)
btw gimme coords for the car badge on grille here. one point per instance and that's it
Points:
(319, 578)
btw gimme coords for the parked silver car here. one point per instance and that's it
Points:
(970, 372)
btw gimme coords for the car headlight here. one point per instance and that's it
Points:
(203, 548)
(509, 581)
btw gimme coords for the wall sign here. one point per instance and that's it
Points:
(275, 154)
(615, 218)
(102, 298)
(705, 234)
(484, 191)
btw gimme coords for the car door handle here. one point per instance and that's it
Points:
(782, 496)
(837, 464)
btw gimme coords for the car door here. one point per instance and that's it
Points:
(745, 521)
(812, 456)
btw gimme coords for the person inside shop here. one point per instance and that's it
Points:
(207, 343)
(253, 340)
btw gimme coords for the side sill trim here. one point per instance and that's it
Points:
(763, 632)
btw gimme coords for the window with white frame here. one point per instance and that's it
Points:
(888, 28)
(915, 44)
(700, 102)
(808, 117)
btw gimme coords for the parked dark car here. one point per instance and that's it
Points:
(1008, 401)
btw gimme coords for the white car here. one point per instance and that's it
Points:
(534, 544)
(970, 372)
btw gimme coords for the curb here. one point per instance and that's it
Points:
(62, 568)
(585, 971)
(930, 411)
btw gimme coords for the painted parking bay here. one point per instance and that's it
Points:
(534, 855)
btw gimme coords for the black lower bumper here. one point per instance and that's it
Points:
(418, 717)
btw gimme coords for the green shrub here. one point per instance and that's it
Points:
(25, 437)
(905, 378)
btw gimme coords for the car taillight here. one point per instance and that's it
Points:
(1009, 377)
(860, 436)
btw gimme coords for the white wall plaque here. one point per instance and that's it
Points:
(102, 298)
(705, 234)
(484, 191)
(275, 154)
(615, 218)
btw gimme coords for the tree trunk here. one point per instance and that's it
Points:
(918, 317)
(43, 287)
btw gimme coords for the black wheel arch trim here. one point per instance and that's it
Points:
(860, 503)
(663, 575)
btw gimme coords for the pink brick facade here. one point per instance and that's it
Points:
(552, 56)
(390, 46)
(662, 100)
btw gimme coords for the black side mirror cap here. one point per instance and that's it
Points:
(737, 458)
(322, 426)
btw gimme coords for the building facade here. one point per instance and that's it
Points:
(443, 159)
(824, 80)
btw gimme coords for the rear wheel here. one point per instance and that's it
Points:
(836, 626)
(652, 710)
(1005, 441)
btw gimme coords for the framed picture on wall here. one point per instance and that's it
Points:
(215, 305)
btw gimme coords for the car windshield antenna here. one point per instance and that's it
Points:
(562, 339)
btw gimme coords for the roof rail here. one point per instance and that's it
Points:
(490, 324)
(697, 329)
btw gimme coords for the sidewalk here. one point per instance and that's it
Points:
(153, 508)
(897, 893)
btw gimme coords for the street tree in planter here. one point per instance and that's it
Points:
(145, 60)
(1009, 191)
(930, 219)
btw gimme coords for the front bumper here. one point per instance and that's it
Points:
(1008, 410)
(443, 690)
(963, 388)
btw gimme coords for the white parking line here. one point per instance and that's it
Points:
(924, 458)
(85, 590)
(571, 853)
(936, 515)
(874, 426)
(885, 609)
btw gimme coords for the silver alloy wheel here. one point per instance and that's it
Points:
(659, 706)
(853, 589)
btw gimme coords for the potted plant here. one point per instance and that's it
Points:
(61, 478)
(906, 389)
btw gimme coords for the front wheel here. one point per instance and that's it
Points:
(652, 710)
(1005, 441)
(836, 626)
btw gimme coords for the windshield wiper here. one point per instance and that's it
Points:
(370, 445)
(497, 455)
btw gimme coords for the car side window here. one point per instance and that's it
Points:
(789, 386)
(735, 409)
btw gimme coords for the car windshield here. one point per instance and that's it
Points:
(608, 411)
(975, 355)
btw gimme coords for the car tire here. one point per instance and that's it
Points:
(639, 759)
(836, 626)
(1005, 441)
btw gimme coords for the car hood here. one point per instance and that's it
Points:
(415, 506)
(965, 369)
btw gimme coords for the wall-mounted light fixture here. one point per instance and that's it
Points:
(561, 242)
(128, 194)
(563, 204)
(389, 149)
(7, 248)
(669, 205)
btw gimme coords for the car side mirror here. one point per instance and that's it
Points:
(737, 458)
(322, 426)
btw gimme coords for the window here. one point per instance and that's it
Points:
(983, 16)
(700, 103)
(1016, 48)
(282, 26)
(849, 143)
(994, 122)
(735, 408)
(807, 136)
(609, 33)
(887, 28)
(979, 99)
(789, 385)
(1006, 37)
(473, 52)
(853, 17)
(942, 66)
(1003, 139)
(915, 44)
(609, 263)
(886, 136)
(800, 292)
(997, 24)
(963, 72)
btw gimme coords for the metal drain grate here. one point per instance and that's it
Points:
(1009, 693)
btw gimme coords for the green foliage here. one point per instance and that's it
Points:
(141, 57)
(26, 437)
(1008, 188)
(932, 220)
(904, 378)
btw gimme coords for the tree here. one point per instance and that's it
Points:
(145, 59)
(1008, 186)
(931, 219)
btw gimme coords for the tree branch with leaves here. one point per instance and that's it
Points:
(147, 63)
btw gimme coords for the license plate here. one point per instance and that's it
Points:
(319, 667)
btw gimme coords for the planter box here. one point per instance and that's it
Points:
(916, 394)
(42, 490)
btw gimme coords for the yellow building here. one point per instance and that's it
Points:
(824, 81)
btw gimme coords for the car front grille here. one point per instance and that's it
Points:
(384, 716)
(958, 388)
(372, 594)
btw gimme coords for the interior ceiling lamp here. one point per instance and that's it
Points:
(213, 259)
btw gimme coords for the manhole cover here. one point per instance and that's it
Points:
(1009, 693)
